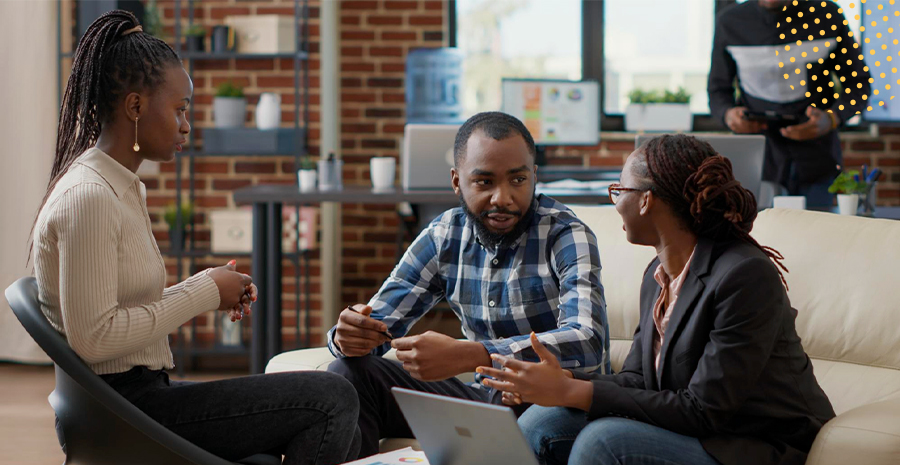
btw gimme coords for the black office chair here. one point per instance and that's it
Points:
(99, 425)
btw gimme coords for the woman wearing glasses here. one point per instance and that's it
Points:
(716, 372)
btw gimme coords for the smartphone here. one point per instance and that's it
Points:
(774, 118)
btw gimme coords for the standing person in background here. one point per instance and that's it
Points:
(754, 47)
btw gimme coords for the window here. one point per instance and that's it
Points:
(505, 38)
(624, 44)
(656, 45)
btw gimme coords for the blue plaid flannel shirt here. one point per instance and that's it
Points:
(547, 282)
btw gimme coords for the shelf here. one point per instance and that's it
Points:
(250, 141)
(242, 56)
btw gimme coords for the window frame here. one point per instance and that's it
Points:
(592, 65)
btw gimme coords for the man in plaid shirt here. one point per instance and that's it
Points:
(508, 262)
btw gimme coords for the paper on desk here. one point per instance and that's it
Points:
(397, 457)
(572, 184)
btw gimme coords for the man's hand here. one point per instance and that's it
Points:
(737, 121)
(818, 124)
(543, 383)
(433, 356)
(356, 334)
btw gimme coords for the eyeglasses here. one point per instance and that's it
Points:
(616, 189)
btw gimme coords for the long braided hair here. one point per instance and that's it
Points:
(107, 65)
(698, 184)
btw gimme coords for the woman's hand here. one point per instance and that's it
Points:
(244, 307)
(544, 383)
(233, 286)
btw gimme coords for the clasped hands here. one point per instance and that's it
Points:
(236, 290)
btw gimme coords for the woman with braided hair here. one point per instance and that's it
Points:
(716, 372)
(102, 279)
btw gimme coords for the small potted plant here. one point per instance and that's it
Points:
(229, 106)
(306, 175)
(194, 38)
(847, 186)
(177, 236)
(655, 111)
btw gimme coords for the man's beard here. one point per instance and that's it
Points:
(494, 240)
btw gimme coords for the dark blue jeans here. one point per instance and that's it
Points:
(309, 417)
(560, 435)
(379, 415)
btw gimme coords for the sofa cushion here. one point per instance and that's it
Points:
(842, 281)
(622, 268)
(843, 284)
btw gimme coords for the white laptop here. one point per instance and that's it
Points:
(462, 432)
(746, 153)
(427, 156)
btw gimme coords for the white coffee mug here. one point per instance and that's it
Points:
(383, 170)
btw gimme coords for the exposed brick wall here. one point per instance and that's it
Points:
(375, 38)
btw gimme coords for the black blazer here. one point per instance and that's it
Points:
(732, 371)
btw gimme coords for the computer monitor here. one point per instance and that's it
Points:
(556, 112)
(746, 153)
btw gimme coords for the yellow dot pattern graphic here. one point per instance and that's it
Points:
(880, 29)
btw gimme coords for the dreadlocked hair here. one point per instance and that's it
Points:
(106, 66)
(699, 185)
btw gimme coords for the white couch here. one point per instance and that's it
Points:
(845, 284)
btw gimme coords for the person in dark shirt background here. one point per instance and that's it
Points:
(754, 47)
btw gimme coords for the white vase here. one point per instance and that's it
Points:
(848, 203)
(307, 180)
(268, 111)
(229, 112)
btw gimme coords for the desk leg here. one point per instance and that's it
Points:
(273, 279)
(260, 239)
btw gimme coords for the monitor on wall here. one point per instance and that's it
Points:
(556, 112)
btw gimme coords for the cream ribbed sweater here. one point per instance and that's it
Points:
(100, 274)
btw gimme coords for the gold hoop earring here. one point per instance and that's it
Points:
(137, 147)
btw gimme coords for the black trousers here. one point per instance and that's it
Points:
(379, 415)
(310, 417)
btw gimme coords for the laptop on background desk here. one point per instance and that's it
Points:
(462, 432)
(746, 153)
(427, 156)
